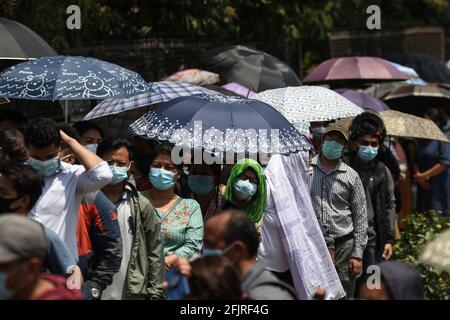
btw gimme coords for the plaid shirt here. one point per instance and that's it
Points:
(340, 204)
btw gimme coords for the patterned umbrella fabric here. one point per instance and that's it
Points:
(354, 70)
(363, 100)
(69, 78)
(416, 99)
(250, 68)
(115, 115)
(437, 252)
(221, 124)
(305, 104)
(194, 76)
(403, 125)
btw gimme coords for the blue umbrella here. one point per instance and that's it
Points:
(222, 124)
(69, 78)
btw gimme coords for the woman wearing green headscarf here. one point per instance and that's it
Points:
(246, 189)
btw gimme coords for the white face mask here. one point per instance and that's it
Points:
(92, 147)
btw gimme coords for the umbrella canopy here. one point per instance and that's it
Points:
(305, 104)
(251, 68)
(20, 43)
(437, 252)
(363, 100)
(222, 124)
(116, 115)
(194, 76)
(403, 125)
(354, 70)
(240, 90)
(412, 74)
(417, 99)
(69, 78)
(429, 68)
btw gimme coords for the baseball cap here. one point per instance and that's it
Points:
(336, 127)
(21, 238)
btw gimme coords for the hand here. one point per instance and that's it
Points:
(65, 138)
(183, 266)
(332, 254)
(388, 251)
(319, 294)
(170, 260)
(422, 180)
(355, 266)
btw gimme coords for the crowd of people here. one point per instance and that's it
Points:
(85, 216)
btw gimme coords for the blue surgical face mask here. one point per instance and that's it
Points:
(92, 147)
(367, 153)
(206, 252)
(161, 179)
(200, 184)
(5, 293)
(119, 174)
(244, 189)
(332, 150)
(45, 168)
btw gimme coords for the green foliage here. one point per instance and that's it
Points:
(421, 229)
(276, 26)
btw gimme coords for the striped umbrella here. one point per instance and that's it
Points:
(354, 70)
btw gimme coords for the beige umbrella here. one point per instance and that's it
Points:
(4, 100)
(404, 125)
(194, 76)
(437, 252)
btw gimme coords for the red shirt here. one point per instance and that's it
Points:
(60, 290)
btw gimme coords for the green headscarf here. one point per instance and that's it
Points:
(257, 205)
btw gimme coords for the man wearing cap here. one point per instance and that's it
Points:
(23, 247)
(339, 201)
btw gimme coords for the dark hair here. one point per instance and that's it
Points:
(42, 133)
(367, 123)
(141, 161)
(437, 116)
(82, 126)
(214, 278)
(8, 139)
(69, 130)
(240, 227)
(113, 144)
(25, 180)
(13, 116)
(165, 149)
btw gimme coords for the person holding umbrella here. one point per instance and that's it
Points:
(367, 133)
(432, 170)
(339, 201)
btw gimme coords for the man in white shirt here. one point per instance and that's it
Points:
(65, 184)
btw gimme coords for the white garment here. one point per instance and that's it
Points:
(117, 289)
(309, 261)
(57, 208)
(271, 249)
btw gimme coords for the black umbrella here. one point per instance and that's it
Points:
(427, 67)
(251, 68)
(415, 99)
(19, 43)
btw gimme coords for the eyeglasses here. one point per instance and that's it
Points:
(374, 144)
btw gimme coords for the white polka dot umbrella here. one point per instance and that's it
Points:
(305, 104)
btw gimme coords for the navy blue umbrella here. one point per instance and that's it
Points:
(221, 123)
(69, 78)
